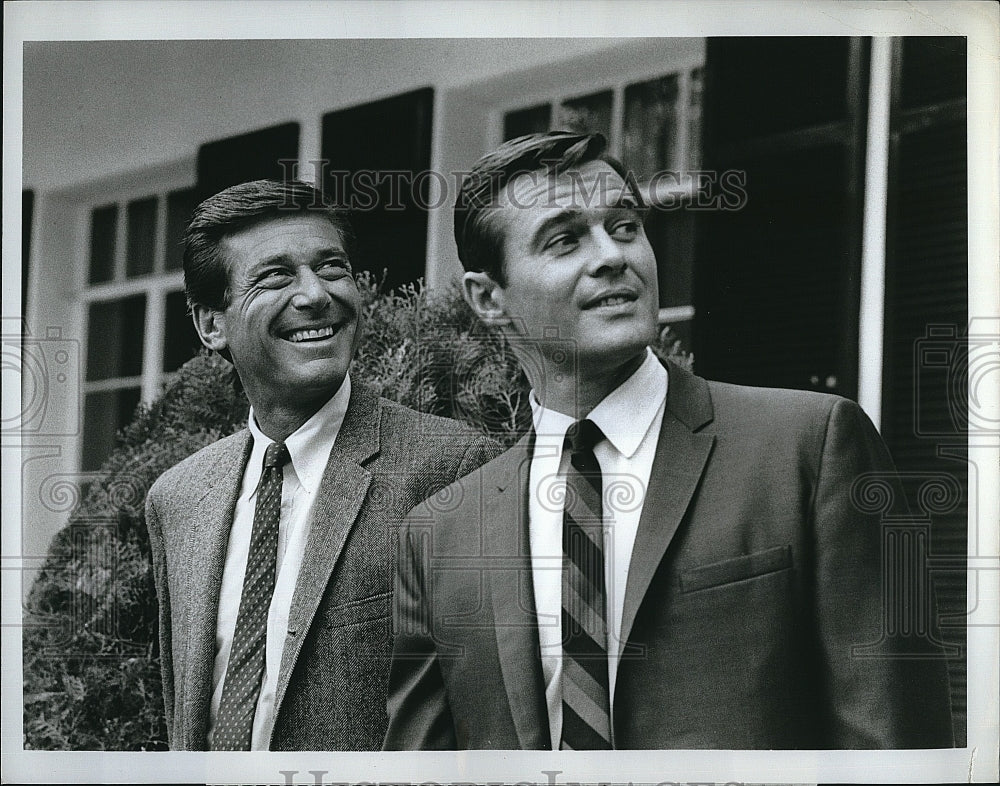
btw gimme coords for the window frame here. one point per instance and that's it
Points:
(158, 183)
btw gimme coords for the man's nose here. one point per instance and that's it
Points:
(610, 254)
(310, 290)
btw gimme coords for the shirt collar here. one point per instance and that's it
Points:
(310, 444)
(624, 415)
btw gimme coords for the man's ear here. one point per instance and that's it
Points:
(211, 327)
(485, 297)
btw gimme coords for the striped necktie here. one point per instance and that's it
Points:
(586, 707)
(234, 725)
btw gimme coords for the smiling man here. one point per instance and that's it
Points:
(663, 562)
(273, 548)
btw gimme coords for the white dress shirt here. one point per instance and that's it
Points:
(309, 450)
(630, 418)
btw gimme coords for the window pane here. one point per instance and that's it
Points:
(105, 413)
(533, 120)
(103, 221)
(587, 115)
(180, 205)
(114, 338)
(181, 342)
(141, 245)
(650, 134)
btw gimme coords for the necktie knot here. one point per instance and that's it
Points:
(276, 455)
(583, 435)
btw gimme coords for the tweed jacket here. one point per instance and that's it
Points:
(332, 677)
(755, 612)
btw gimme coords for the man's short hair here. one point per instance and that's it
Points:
(206, 274)
(478, 235)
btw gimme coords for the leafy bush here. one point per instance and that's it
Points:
(91, 680)
(91, 673)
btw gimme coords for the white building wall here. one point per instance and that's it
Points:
(98, 108)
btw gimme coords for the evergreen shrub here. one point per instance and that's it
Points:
(91, 667)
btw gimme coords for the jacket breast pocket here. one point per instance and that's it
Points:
(730, 571)
(356, 612)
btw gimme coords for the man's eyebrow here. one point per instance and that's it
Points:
(273, 259)
(564, 216)
(320, 255)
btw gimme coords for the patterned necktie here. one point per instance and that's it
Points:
(586, 707)
(234, 725)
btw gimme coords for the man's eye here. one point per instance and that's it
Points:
(273, 276)
(626, 230)
(334, 268)
(561, 243)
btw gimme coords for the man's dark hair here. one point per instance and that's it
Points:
(480, 240)
(206, 274)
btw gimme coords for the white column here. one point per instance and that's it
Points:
(310, 149)
(872, 310)
(152, 345)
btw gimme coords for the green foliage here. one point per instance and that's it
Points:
(91, 671)
(91, 679)
(430, 353)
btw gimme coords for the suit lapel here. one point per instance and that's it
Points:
(339, 499)
(678, 464)
(505, 519)
(208, 542)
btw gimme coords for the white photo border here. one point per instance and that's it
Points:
(38, 21)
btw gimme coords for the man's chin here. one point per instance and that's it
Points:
(316, 378)
(320, 384)
(610, 356)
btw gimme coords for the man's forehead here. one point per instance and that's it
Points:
(276, 232)
(590, 186)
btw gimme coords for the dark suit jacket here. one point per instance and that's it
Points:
(332, 678)
(752, 576)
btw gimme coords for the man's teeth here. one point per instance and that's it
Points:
(312, 334)
(612, 301)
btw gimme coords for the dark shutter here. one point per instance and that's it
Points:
(377, 157)
(924, 415)
(256, 155)
(776, 281)
(27, 214)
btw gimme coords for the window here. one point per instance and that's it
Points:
(652, 125)
(137, 328)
